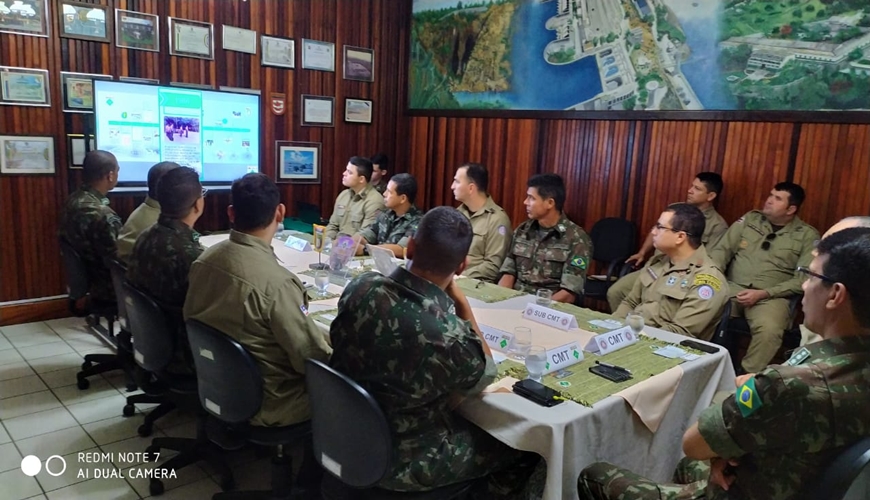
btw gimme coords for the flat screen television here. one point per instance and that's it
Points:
(215, 133)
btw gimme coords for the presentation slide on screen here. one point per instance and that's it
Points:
(215, 133)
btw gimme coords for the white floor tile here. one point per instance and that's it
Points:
(185, 430)
(60, 442)
(78, 470)
(24, 329)
(27, 404)
(32, 339)
(55, 363)
(15, 370)
(61, 378)
(96, 489)
(39, 423)
(139, 480)
(45, 351)
(10, 356)
(17, 486)
(98, 389)
(113, 430)
(94, 350)
(19, 386)
(137, 444)
(200, 490)
(4, 437)
(99, 409)
(10, 459)
(62, 323)
(4, 344)
(88, 343)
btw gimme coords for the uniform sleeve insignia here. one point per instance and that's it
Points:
(579, 262)
(672, 281)
(798, 357)
(303, 309)
(740, 220)
(708, 279)
(502, 230)
(706, 292)
(747, 398)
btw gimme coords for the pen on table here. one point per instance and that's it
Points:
(608, 365)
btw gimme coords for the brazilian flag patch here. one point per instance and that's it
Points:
(580, 262)
(747, 398)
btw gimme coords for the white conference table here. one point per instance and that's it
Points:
(570, 436)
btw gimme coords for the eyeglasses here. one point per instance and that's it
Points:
(659, 227)
(766, 245)
(806, 270)
(204, 192)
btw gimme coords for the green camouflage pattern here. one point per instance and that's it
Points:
(603, 481)
(558, 259)
(390, 228)
(91, 227)
(397, 336)
(380, 187)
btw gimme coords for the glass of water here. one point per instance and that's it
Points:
(536, 362)
(544, 297)
(521, 343)
(635, 322)
(321, 281)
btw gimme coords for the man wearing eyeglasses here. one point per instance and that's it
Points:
(785, 425)
(681, 290)
(760, 253)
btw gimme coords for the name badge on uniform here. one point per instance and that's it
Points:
(612, 341)
(550, 317)
(798, 357)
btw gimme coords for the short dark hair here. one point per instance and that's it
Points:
(406, 185)
(363, 166)
(97, 165)
(848, 253)
(254, 198)
(442, 241)
(712, 181)
(155, 173)
(549, 186)
(381, 160)
(477, 175)
(177, 191)
(796, 194)
(690, 220)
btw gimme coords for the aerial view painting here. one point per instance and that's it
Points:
(640, 54)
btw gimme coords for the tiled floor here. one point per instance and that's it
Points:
(43, 413)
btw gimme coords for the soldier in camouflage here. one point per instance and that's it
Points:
(548, 250)
(394, 226)
(90, 226)
(411, 341)
(784, 425)
(380, 165)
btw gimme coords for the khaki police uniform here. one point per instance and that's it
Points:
(492, 238)
(686, 297)
(714, 227)
(142, 218)
(749, 266)
(354, 212)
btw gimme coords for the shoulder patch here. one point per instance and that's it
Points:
(798, 357)
(709, 280)
(579, 262)
(303, 309)
(502, 230)
(706, 292)
(747, 398)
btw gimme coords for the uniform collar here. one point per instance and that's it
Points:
(791, 226)
(560, 227)
(151, 202)
(838, 346)
(362, 194)
(178, 226)
(412, 212)
(422, 286)
(697, 259)
(250, 241)
(96, 194)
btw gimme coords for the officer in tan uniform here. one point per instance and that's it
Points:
(760, 253)
(358, 205)
(681, 290)
(490, 223)
(146, 214)
(705, 189)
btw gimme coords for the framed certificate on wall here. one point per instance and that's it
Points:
(191, 38)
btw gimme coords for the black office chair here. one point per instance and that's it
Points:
(353, 442)
(721, 336)
(729, 335)
(613, 241)
(77, 289)
(234, 396)
(838, 477)
(154, 343)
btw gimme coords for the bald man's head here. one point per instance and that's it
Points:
(854, 221)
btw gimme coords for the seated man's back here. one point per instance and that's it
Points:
(145, 215)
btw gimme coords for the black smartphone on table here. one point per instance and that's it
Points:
(709, 349)
(537, 392)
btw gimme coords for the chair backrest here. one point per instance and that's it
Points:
(351, 435)
(229, 380)
(118, 270)
(613, 239)
(153, 337)
(722, 336)
(834, 483)
(76, 271)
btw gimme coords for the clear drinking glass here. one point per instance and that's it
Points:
(635, 322)
(536, 362)
(321, 281)
(544, 297)
(521, 343)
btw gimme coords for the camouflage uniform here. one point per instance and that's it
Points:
(556, 260)
(398, 338)
(381, 186)
(159, 265)
(91, 227)
(390, 228)
(784, 426)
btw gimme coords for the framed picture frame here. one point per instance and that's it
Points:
(278, 52)
(24, 87)
(239, 39)
(21, 154)
(318, 55)
(198, 86)
(136, 79)
(137, 30)
(188, 38)
(78, 91)
(29, 18)
(84, 21)
(359, 64)
(357, 110)
(318, 111)
(77, 148)
(298, 162)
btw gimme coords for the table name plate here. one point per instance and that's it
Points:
(549, 317)
(612, 341)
